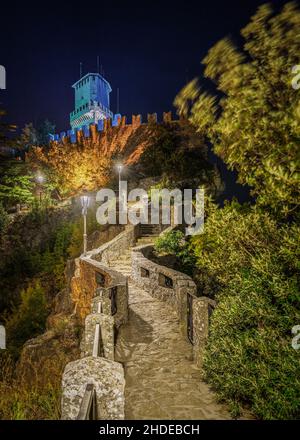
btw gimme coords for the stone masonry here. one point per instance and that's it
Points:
(160, 345)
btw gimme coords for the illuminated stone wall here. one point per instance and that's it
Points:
(110, 136)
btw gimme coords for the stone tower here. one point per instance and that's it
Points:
(91, 100)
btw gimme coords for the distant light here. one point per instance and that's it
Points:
(85, 202)
(120, 167)
(40, 179)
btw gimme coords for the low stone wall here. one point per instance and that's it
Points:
(100, 295)
(106, 337)
(116, 247)
(180, 291)
(92, 272)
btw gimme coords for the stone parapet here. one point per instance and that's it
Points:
(100, 295)
(108, 379)
(179, 290)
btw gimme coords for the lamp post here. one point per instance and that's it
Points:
(85, 201)
(40, 180)
(119, 167)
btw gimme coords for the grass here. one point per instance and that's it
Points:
(30, 398)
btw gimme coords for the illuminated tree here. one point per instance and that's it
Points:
(72, 167)
(253, 123)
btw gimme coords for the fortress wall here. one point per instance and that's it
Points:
(117, 135)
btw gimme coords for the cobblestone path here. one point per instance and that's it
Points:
(162, 382)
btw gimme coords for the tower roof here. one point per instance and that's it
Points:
(93, 74)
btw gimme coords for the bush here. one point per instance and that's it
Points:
(251, 266)
(21, 399)
(174, 243)
(4, 220)
(28, 319)
(16, 183)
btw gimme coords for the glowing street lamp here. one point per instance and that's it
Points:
(85, 202)
(119, 168)
(40, 179)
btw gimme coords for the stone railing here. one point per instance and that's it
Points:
(180, 291)
(117, 246)
(101, 302)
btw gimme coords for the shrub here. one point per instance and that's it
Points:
(250, 264)
(174, 243)
(4, 219)
(21, 399)
(28, 319)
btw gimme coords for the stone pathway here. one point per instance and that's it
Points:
(162, 382)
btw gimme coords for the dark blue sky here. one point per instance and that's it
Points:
(148, 49)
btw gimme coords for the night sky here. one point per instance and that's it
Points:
(147, 49)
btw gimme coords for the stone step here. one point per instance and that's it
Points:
(146, 240)
(120, 268)
(119, 263)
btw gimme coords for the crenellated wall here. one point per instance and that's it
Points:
(104, 125)
(115, 134)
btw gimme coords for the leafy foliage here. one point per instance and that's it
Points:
(253, 123)
(176, 152)
(32, 136)
(16, 183)
(72, 167)
(4, 220)
(174, 243)
(251, 266)
(28, 319)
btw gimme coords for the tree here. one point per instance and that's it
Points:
(28, 319)
(175, 151)
(28, 137)
(16, 183)
(253, 122)
(31, 136)
(4, 219)
(250, 266)
(43, 131)
(72, 167)
(5, 129)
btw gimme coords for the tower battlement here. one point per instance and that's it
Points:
(104, 125)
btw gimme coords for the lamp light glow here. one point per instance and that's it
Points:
(40, 178)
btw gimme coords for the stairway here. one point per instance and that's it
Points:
(148, 234)
(122, 263)
(149, 229)
(162, 381)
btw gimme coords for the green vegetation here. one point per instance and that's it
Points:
(248, 258)
(176, 153)
(23, 399)
(253, 122)
(28, 319)
(16, 183)
(250, 265)
(46, 261)
(4, 220)
(174, 243)
(5, 129)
